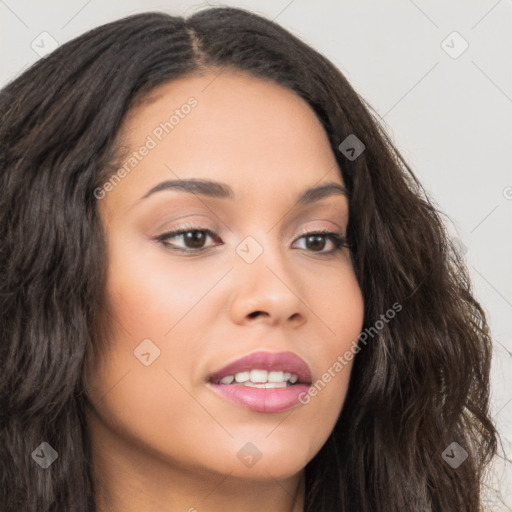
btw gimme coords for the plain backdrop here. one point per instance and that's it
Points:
(439, 76)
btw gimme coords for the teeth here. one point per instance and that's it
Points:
(261, 379)
(276, 377)
(241, 376)
(259, 376)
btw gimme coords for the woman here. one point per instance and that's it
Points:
(223, 287)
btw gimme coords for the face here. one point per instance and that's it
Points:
(244, 279)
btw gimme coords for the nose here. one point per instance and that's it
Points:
(266, 291)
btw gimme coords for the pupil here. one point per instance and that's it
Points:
(196, 238)
(317, 239)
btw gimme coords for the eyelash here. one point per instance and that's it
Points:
(338, 241)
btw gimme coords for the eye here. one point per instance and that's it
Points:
(194, 239)
(315, 241)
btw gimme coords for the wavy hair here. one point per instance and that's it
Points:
(419, 385)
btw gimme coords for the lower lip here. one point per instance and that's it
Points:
(262, 399)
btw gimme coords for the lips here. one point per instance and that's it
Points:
(279, 361)
(267, 398)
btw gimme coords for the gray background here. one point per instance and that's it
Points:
(448, 114)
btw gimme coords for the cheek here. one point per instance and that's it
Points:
(340, 308)
(148, 303)
(336, 301)
(149, 290)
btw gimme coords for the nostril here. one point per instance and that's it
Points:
(256, 313)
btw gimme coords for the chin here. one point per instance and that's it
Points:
(265, 459)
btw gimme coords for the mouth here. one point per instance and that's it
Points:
(263, 381)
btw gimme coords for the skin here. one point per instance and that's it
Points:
(161, 439)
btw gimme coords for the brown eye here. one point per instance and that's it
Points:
(315, 242)
(192, 239)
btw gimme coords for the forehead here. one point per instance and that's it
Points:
(252, 133)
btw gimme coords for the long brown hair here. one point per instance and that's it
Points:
(418, 386)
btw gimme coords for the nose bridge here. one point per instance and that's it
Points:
(259, 252)
(263, 279)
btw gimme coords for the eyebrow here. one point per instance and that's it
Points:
(222, 191)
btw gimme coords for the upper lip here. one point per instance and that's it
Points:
(270, 361)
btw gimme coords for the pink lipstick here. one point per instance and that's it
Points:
(263, 381)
